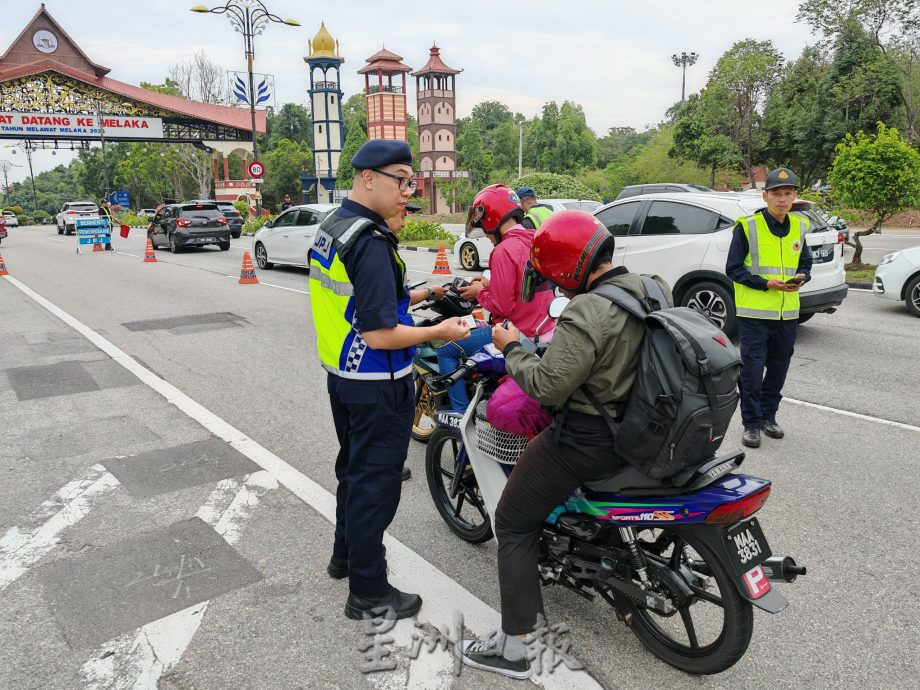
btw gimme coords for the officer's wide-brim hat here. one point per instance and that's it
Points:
(781, 177)
(380, 152)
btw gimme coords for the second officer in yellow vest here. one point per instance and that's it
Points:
(534, 214)
(768, 261)
(366, 341)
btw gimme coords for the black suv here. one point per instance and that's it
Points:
(659, 188)
(189, 225)
(234, 219)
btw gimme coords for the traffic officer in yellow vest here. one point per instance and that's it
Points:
(366, 341)
(533, 215)
(768, 261)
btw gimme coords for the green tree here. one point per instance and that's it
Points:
(354, 110)
(555, 186)
(283, 165)
(471, 155)
(879, 174)
(702, 132)
(355, 137)
(504, 146)
(292, 122)
(491, 115)
(654, 164)
(619, 143)
(747, 71)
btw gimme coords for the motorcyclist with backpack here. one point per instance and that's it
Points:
(593, 355)
(497, 211)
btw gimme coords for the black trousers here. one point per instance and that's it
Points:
(373, 420)
(766, 350)
(545, 475)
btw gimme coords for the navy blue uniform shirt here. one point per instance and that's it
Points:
(737, 253)
(370, 268)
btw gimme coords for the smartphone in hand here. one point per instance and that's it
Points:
(795, 281)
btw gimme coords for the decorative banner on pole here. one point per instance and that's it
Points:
(264, 85)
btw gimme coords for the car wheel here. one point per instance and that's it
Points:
(60, 230)
(715, 302)
(912, 296)
(262, 257)
(469, 257)
(805, 317)
(173, 245)
(68, 231)
(236, 236)
(224, 246)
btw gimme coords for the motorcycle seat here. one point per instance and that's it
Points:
(628, 481)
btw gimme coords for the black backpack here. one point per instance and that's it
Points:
(686, 387)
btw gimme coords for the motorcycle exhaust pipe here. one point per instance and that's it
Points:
(782, 569)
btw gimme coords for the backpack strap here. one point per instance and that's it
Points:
(622, 299)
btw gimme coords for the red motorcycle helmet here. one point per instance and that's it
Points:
(493, 206)
(565, 246)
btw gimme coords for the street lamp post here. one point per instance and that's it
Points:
(249, 17)
(105, 167)
(683, 60)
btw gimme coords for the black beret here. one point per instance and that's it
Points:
(380, 152)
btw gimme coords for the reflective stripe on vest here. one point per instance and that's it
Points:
(538, 214)
(772, 258)
(342, 350)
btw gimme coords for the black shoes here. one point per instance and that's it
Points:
(406, 473)
(773, 430)
(751, 438)
(488, 655)
(392, 604)
(338, 567)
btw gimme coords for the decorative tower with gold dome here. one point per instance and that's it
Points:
(326, 109)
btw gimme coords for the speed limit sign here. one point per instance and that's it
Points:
(256, 169)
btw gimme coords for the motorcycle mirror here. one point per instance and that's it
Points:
(556, 306)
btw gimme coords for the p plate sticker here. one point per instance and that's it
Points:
(756, 582)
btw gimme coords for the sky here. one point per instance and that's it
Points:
(613, 57)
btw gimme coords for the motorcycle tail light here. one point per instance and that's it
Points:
(730, 513)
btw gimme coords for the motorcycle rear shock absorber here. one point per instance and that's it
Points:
(636, 558)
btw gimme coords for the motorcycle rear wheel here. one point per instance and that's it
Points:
(465, 513)
(423, 425)
(678, 639)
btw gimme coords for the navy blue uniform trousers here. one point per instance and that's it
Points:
(373, 420)
(766, 349)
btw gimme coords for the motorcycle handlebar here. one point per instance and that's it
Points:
(464, 370)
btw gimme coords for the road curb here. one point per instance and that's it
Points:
(429, 250)
(860, 286)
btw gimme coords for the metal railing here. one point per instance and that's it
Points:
(384, 89)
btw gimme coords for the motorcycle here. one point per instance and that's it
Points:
(682, 562)
(427, 402)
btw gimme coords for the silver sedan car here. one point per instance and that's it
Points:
(288, 238)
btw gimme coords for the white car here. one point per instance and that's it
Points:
(11, 220)
(70, 211)
(898, 278)
(288, 238)
(685, 238)
(473, 250)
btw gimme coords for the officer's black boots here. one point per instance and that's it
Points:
(338, 567)
(773, 430)
(751, 438)
(406, 473)
(393, 604)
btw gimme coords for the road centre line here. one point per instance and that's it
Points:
(442, 595)
(855, 415)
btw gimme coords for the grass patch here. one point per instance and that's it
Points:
(860, 273)
(445, 217)
(434, 244)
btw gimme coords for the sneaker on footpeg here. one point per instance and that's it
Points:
(397, 604)
(773, 430)
(492, 655)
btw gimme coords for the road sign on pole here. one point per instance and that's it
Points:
(256, 169)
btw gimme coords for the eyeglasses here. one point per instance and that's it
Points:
(406, 184)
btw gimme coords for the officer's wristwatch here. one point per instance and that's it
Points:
(430, 293)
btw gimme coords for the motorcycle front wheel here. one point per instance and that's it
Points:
(454, 489)
(423, 425)
(711, 631)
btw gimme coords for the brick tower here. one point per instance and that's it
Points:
(386, 101)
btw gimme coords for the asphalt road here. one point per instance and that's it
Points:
(140, 546)
(876, 246)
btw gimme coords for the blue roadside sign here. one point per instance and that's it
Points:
(99, 239)
(121, 197)
(100, 224)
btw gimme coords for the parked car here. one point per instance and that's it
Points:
(70, 211)
(179, 226)
(288, 238)
(473, 250)
(659, 188)
(684, 238)
(234, 219)
(10, 219)
(898, 277)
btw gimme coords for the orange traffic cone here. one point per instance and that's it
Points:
(247, 272)
(3, 271)
(98, 248)
(150, 256)
(441, 267)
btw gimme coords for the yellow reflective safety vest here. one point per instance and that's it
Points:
(342, 349)
(538, 214)
(772, 258)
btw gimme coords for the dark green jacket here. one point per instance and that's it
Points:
(595, 344)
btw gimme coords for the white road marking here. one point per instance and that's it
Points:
(18, 552)
(441, 594)
(280, 287)
(855, 415)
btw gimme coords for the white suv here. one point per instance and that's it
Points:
(11, 220)
(70, 211)
(685, 237)
(473, 250)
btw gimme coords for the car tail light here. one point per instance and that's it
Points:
(183, 222)
(731, 513)
(840, 238)
(72, 213)
(221, 220)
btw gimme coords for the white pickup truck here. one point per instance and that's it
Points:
(70, 211)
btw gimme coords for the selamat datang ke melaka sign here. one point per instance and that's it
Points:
(64, 125)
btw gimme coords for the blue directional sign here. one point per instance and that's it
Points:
(121, 197)
(92, 225)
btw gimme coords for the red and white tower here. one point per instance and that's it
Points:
(386, 101)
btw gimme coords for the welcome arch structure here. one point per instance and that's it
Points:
(51, 92)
